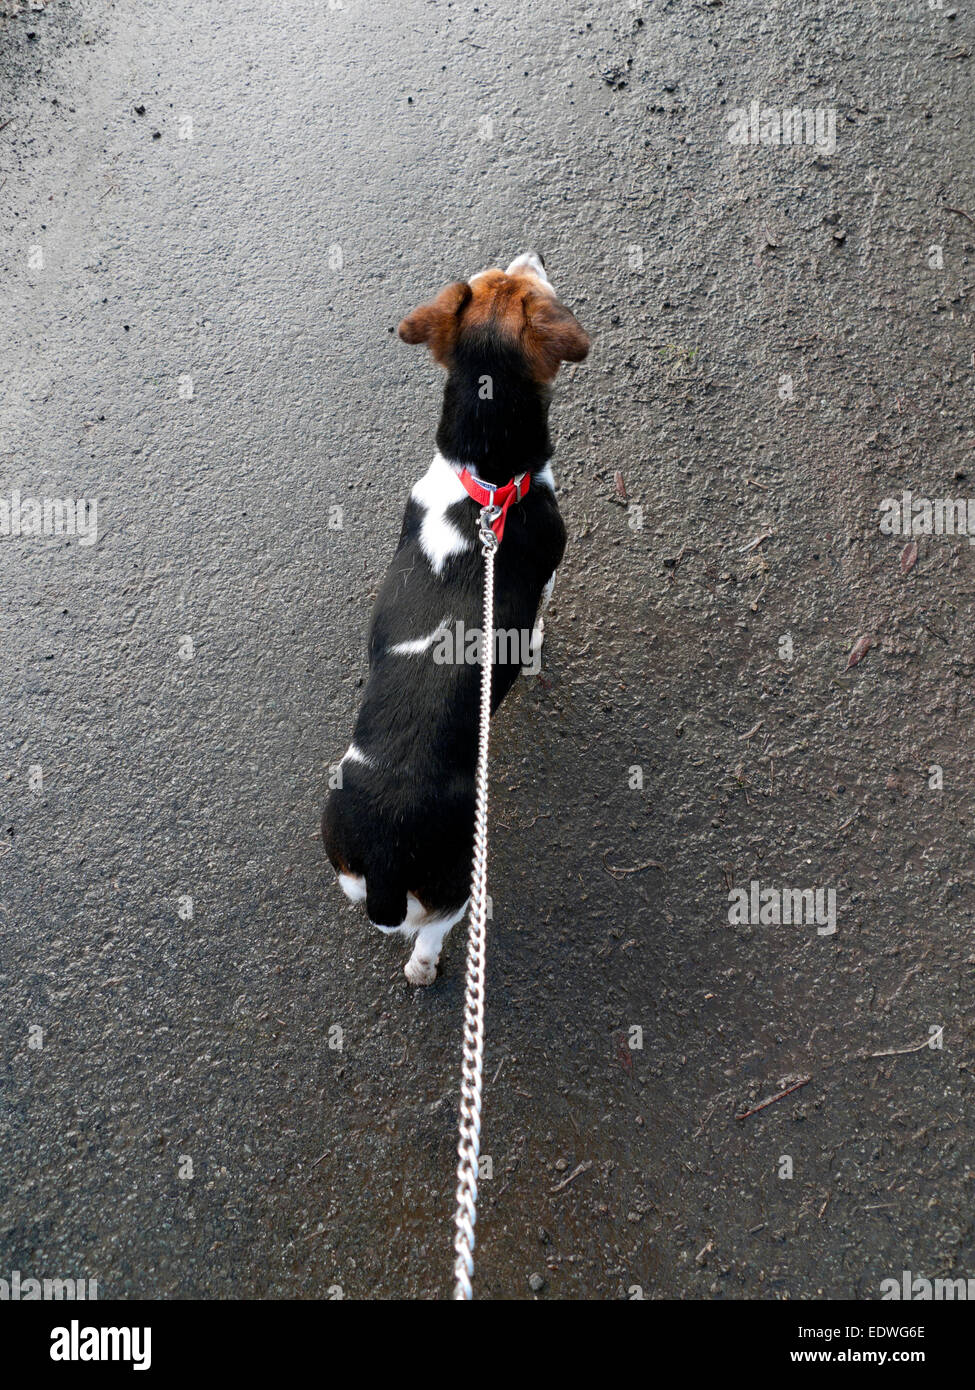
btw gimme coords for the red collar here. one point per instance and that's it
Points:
(500, 497)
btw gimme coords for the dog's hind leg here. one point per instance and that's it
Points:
(421, 968)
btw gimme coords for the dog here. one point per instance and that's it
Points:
(398, 826)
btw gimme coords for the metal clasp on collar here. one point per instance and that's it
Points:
(489, 514)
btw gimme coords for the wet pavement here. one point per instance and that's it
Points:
(213, 219)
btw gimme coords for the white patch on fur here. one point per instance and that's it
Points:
(535, 649)
(416, 917)
(440, 488)
(544, 477)
(353, 886)
(529, 263)
(355, 755)
(538, 632)
(416, 646)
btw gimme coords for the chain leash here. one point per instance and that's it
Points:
(469, 1142)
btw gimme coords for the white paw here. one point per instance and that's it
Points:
(420, 972)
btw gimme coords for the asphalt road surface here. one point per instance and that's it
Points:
(216, 1081)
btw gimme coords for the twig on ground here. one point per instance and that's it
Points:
(772, 1099)
(904, 1051)
(582, 1168)
(617, 870)
(765, 536)
(841, 1061)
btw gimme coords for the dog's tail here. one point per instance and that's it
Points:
(364, 873)
(385, 900)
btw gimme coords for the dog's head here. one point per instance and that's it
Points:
(516, 307)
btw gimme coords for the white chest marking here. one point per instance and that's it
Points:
(438, 489)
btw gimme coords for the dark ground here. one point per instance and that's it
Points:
(209, 257)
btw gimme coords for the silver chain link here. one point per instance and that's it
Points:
(469, 1143)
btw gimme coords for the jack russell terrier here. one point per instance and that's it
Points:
(399, 827)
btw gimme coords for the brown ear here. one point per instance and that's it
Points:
(555, 335)
(437, 323)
